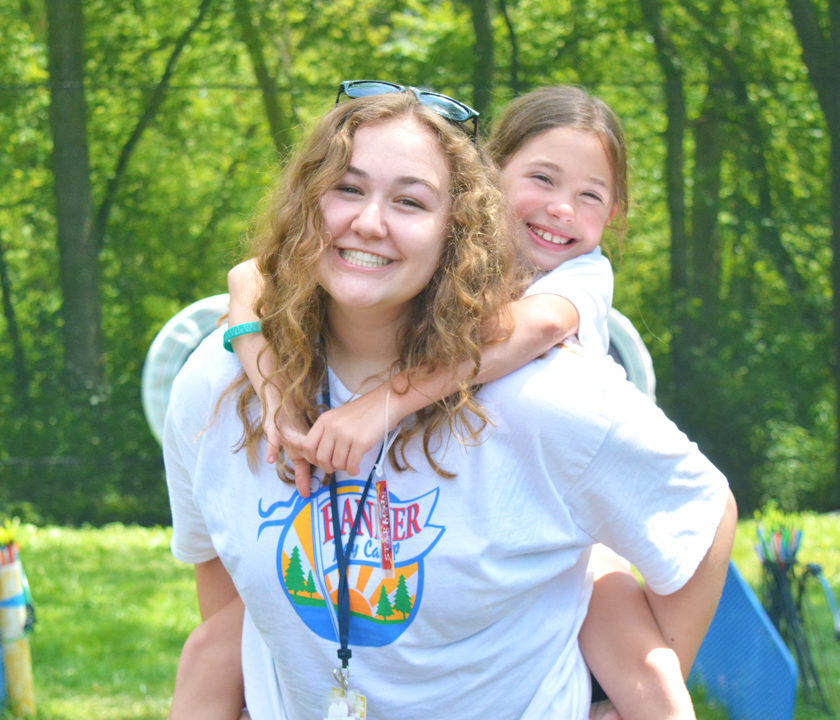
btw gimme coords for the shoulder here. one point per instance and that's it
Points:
(564, 384)
(557, 414)
(208, 371)
(580, 411)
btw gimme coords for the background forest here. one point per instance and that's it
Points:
(138, 136)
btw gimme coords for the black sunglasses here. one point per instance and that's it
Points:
(443, 105)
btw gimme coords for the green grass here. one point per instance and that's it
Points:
(820, 545)
(114, 607)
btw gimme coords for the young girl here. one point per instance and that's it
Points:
(564, 172)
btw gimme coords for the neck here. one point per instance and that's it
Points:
(361, 347)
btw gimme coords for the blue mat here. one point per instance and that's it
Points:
(743, 663)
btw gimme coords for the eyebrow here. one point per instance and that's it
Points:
(402, 180)
(557, 169)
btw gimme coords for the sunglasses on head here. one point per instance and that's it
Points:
(443, 105)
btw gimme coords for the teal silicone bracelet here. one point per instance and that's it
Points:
(237, 330)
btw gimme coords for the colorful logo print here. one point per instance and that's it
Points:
(381, 608)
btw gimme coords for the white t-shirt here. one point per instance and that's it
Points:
(482, 617)
(587, 282)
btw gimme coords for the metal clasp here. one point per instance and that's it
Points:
(342, 677)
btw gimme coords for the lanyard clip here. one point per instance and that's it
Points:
(342, 677)
(344, 654)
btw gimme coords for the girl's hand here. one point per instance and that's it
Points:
(340, 438)
(286, 430)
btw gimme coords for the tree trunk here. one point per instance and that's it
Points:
(675, 110)
(705, 238)
(769, 238)
(515, 83)
(21, 384)
(483, 67)
(274, 111)
(77, 249)
(821, 53)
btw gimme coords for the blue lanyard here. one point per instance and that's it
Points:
(342, 558)
(343, 554)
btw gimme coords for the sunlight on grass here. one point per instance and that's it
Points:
(820, 545)
(114, 607)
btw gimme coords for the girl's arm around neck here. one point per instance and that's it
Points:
(340, 438)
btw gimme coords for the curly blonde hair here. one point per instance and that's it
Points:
(462, 307)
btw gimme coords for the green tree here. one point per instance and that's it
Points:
(21, 373)
(310, 584)
(294, 574)
(77, 246)
(402, 600)
(484, 61)
(818, 27)
(667, 56)
(274, 102)
(383, 606)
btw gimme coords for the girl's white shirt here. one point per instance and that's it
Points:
(587, 282)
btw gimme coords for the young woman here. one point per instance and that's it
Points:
(563, 163)
(385, 257)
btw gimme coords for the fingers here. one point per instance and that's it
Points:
(274, 440)
(332, 456)
(292, 443)
(303, 476)
(331, 444)
(318, 449)
(332, 451)
(354, 458)
(271, 452)
(340, 438)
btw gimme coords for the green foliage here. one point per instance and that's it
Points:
(760, 395)
(772, 517)
(9, 531)
(799, 466)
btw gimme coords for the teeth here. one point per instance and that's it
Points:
(363, 259)
(548, 237)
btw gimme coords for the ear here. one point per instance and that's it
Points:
(612, 213)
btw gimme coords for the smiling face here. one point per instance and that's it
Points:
(387, 219)
(560, 187)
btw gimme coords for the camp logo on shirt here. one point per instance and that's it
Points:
(380, 608)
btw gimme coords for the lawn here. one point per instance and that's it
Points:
(821, 545)
(113, 608)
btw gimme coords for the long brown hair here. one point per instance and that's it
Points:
(452, 317)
